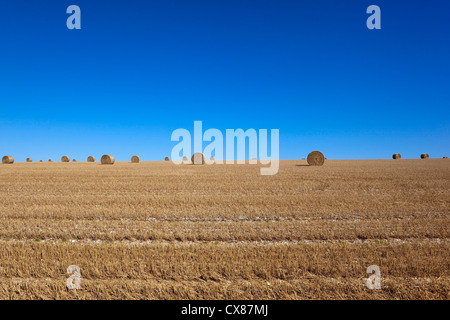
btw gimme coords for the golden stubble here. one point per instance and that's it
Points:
(156, 230)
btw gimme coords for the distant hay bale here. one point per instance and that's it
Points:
(303, 159)
(29, 160)
(41, 160)
(445, 158)
(198, 158)
(135, 159)
(396, 156)
(166, 159)
(8, 160)
(50, 160)
(65, 159)
(315, 158)
(74, 160)
(185, 158)
(107, 159)
(90, 159)
(424, 156)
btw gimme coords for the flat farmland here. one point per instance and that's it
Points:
(156, 230)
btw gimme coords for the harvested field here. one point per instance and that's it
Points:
(159, 231)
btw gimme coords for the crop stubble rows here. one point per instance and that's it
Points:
(221, 231)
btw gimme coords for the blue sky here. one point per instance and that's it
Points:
(137, 70)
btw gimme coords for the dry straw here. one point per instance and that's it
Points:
(107, 159)
(185, 158)
(166, 159)
(90, 159)
(65, 159)
(8, 160)
(135, 159)
(424, 156)
(396, 156)
(29, 160)
(198, 158)
(50, 160)
(74, 160)
(445, 158)
(315, 158)
(41, 160)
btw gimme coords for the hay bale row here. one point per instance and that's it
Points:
(315, 158)
(106, 159)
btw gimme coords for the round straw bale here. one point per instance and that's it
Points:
(166, 159)
(316, 158)
(185, 158)
(8, 160)
(445, 158)
(50, 160)
(65, 159)
(29, 160)
(74, 160)
(198, 158)
(90, 159)
(396, 156)
(424, 156)
(135, 159)
(107, 159)
(41, 160)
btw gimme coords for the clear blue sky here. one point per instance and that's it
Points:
(137, 70)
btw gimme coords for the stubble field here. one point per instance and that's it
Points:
(156, 230)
